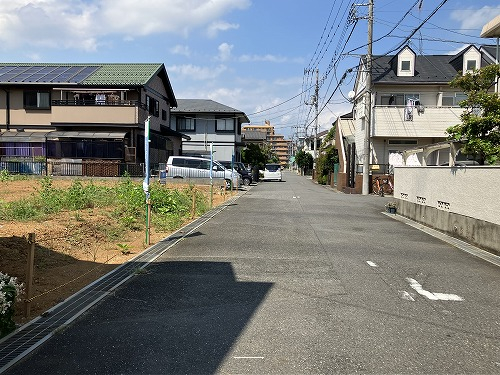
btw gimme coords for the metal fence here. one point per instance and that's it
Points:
(89, 168)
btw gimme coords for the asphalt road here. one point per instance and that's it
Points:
(292, 278)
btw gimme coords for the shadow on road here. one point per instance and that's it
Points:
(176, 317)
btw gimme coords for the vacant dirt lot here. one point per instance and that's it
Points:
(70, 251)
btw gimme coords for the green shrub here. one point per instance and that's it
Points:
(10, 291)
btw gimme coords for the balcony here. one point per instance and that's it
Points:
(93, 112)
(398, 121)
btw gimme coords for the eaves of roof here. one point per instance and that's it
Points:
(187, 106)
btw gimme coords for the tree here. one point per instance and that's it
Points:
(325, 163)
(304, 160)
(254, 155)
(480, 127)
(327, 158)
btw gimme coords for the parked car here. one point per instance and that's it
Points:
(272, 172)
(196, 167)
(240, 168)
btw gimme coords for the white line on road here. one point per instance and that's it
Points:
(371, 264)
(248, 357)
(432, 296)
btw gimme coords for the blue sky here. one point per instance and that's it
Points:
(258, 56)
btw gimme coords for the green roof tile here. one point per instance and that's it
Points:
(122, 74)
(83, 74)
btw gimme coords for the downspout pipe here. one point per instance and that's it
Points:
(7, 107)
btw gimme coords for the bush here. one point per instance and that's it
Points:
(10, 292)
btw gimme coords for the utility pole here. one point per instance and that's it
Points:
(368, 102)
(316, 98)
(314, 101)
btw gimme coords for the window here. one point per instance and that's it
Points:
(224, 125)
(37, 99)
(453, 99)
(397, 99)
(392, 99)
(86, 148)
(471, 64)
(204, 164)
(415, 97)
(185, 124)
(405, 65)
(153, 106)
(163, 115)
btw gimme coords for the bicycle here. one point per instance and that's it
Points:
(382, 186)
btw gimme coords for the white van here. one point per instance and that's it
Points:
(196, 167)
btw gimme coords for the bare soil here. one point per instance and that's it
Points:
(70, 250)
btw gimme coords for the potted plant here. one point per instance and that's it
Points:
(391, 207)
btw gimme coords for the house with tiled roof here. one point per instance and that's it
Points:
(209, 124)
(412, 104)
(86, 115)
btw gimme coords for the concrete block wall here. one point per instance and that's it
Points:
(461, 201)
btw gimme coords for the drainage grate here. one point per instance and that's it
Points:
(35, 333)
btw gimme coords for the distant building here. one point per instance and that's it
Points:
(261, 134)
(208, 122)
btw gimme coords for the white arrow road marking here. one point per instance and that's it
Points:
(432, 296)
(371, 264)
(403, 294)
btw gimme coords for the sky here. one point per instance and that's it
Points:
(258, 56)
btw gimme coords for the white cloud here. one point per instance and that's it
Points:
(474, 18)
(217, 26)
(224, 52)
(264, 58)
(86, 24)
(181, 50)
(269, 58)
(196, 73)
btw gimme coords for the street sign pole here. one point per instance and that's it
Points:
(145, 184)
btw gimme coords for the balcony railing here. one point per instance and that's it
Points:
(427, 121)
(78, 102)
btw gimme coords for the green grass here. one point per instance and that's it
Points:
(126, 200)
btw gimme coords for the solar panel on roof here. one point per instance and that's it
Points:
(87, 71)
(5, 69)
(52, 75)
(67, 74)
(46, 73)
(24, 77)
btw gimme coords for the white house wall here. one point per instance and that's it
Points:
(223, 143)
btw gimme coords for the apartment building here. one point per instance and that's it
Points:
(277, 142)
